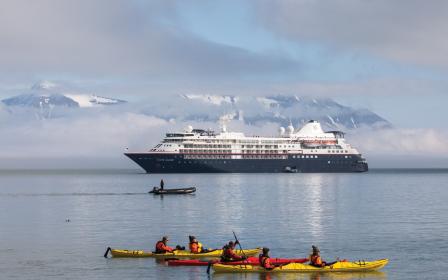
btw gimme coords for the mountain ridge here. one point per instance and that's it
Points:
(45, 97)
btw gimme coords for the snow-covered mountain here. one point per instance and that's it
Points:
(280, 109)
(48, 100)
(48, 94)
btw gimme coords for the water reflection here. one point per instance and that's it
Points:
(313, 195)
(374, 275)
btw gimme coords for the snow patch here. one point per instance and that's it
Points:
(212, 99)
(82, 100)
(353, 122)
(86, 100)
(332, 120)
(44, 85)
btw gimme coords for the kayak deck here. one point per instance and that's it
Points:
(299, 267)
(118, 253)
(250, 260)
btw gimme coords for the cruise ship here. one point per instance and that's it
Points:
(308, 149)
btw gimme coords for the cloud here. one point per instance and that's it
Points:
(401, 142)
(103, 136)
(412, 31)
(97, 139)
(119, 40)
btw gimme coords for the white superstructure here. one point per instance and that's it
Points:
(310, 141)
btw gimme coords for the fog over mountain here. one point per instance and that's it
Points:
(63, 126)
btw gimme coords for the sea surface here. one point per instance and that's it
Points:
(58, 224)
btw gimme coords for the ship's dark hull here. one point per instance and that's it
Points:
(176, 163)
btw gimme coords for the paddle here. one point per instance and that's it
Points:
(107, 252)
(241, 248)
(209, 266)
(239, 244)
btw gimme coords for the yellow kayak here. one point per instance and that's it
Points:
(117, 253)
(300, 267)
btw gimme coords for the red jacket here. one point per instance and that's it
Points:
(229, 255)
(161, 247)
(265, 262)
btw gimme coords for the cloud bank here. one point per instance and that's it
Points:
(101, 138)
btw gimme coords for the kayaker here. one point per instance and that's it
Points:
(265, 260)
(316, 260)
(162, 184)
(195, 245)
(228, 255)
(161, 246)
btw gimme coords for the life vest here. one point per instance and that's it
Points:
(161, 247)
(264, 261)
(316, 260)
(227, 254)
(195, 247)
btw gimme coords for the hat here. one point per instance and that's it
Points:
(265, 250)
(231, 243)
(165, 238)
(315, 249)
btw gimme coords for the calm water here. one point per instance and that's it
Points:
(395, 214)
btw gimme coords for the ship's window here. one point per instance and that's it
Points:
(315, 156)
(329, 162)
(293, 156)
